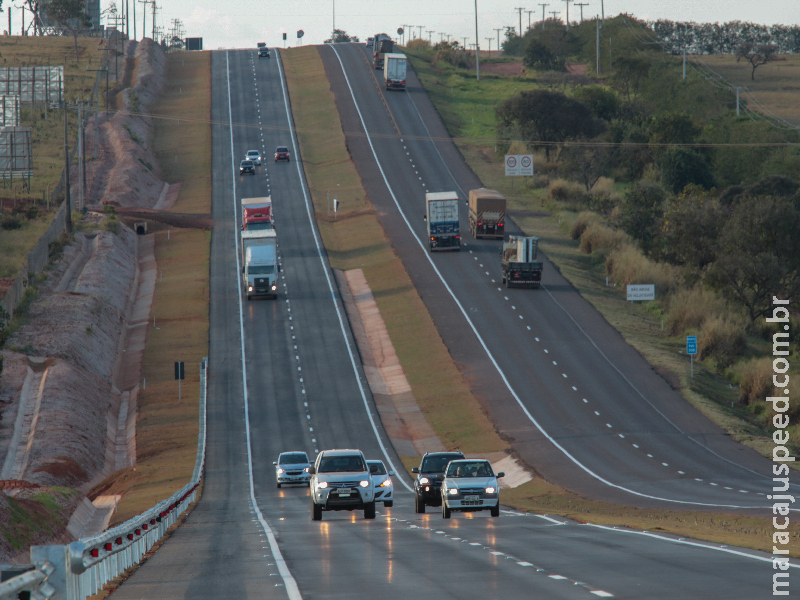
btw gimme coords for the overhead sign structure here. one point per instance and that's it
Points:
(519, 164)
(642, 292)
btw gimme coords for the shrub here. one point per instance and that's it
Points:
(597, 236)
(570, 193)
(584, 219)
(689, 309)
(627, 265)
(722, 338)
(111, 223)
(10, 221)
(755, 380)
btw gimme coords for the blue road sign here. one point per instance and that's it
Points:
(691, 344)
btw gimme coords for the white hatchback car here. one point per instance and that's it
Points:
(384, 489)
(292, 467)
(470, 485)
(255, 156)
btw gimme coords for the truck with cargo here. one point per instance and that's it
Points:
(257, 213)
(260, 263)
(394, 71)
(382, 45)
(442, 219)
(519, 265)
(487, 214)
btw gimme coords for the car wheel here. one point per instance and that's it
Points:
(279, 485)
(389, 503)
(496, 511)
(316, 511)
(369, 510)
(419, 505)
(445, 511)
(248, 297)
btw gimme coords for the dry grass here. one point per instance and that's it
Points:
(690, 308)
(356, 240)
(627, 265)
(599, 237)
(166, 429)
(775, 87)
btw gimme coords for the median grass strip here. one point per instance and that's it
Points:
(355, 239)
(166, 431)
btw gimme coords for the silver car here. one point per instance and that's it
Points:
(340, 480)
(292, 467)
(384, 489)
(255, 156)
(470, 485)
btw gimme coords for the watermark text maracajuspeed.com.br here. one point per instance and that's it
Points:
(781, 500)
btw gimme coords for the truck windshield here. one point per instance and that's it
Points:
(261, 270)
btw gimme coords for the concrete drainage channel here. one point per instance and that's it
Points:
(82, 568)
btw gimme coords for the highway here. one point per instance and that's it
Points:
(283, 376)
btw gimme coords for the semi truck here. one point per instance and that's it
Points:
(260, 263)
(519, 264)
(487, 214)
(382, 45)
(442, 219)
(394, 71)
(257, 213)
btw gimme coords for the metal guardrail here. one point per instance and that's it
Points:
(82, 568)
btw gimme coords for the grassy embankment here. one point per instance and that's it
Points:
(166, 433)
(47, 136)
(327, 163)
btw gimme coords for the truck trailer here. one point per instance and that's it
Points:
(442, 218)
(394, 71)
(260, 263)
(519, 264)
(487, 214)
(257, 213)
(382, 45)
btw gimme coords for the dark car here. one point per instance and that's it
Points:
(428, 484)
(281, 153)
(263, 52)
(247, 166)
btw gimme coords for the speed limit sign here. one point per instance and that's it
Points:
(512, 164)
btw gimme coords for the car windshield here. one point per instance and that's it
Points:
(342, 464)
(474, 468)
(437, 464)
(247, 163)
(261, 270)
(252, 153)
(295, 458)
(378, 466)
(282, 149)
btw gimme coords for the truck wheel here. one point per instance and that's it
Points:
(496, 511)
(504, 280)
(248, 297)
(369, 510)
(279, 486)
(316, 511)
(419, 505)
(445, 510)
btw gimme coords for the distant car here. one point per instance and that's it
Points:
(384, 490)
(247, 166)
(281, 153)
(292, 467)
(263, 52)
(369, 42)
(429, 478)
(340, 480)
(470, 485)
(255, 156)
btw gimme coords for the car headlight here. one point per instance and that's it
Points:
(306, 469)
(280, 471)
(322, 485)
(249, 288)
(453, 491)
(364, 483)
(424, 481)
(490, 490)
(387, 483)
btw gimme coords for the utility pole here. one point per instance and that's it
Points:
(421, 27)
(520, 9)
(581, 4)
(430, 33)
(598, 45)
(529, 18)
(490, 43)
(465, 41)
(498, 30)
(543, 19)
(405, 28)
(441, 37)
(555, 14)
(154, 19)
(684, 62)
(602, 13)
(67, 199)
(477, 48)
(568, 1)
(144, 4)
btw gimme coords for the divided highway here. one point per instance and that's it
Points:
(579, 403)
(282, 377)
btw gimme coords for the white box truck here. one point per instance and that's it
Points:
(518, 262)
(260, 263)
(394, 71)
(442, 219)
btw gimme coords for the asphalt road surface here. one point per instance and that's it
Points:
(282, 377)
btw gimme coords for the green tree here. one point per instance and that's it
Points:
(630, 72)
(340, 36)
(603, 101)
(690, 228)
(544, 116)
(756, 55)
(71, 16)
(640, 214)
(683, 166)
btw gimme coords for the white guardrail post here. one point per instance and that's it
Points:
(82, 568)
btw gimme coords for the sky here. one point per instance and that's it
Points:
(242, 24)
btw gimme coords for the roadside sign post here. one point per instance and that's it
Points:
(691, 349)
(179, 375)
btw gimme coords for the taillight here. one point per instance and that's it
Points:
(480, 224)
(403, 82)
(500, 224)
